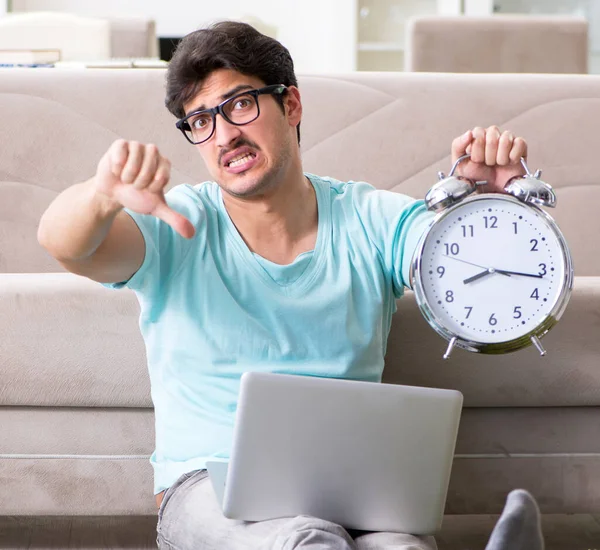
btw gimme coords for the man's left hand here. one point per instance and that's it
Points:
(495, 157)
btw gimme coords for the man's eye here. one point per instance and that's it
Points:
(199, 123)
(242, 103)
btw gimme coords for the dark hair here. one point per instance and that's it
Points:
(226, 45)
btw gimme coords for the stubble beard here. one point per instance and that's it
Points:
(267, 181)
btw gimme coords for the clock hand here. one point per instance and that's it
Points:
(465, 261)
(488, 271)
(478, 276)
(505, 272)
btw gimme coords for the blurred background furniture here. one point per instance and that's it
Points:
(133, 37)
(346, 35)
(79, 38)
(76, 37)
(497, 44)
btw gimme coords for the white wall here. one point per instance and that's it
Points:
(321, 35)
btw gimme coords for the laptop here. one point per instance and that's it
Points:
(365, 455)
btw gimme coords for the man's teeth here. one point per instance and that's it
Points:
(240, 160)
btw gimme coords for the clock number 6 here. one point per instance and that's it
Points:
(492, 320)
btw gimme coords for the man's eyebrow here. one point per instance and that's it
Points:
(239, 88)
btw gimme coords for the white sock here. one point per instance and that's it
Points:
(519, 525)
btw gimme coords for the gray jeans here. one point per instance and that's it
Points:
(190, 518)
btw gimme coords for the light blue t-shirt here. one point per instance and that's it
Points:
(211, 309)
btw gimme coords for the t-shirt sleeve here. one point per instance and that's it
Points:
(166, 250)
(395, 224)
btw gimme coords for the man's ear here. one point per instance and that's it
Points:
(293, 105)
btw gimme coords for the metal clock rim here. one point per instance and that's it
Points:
(509, 345)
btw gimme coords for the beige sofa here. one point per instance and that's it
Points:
(76, 419)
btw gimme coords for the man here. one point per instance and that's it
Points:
(266, 268)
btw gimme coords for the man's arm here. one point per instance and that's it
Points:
(85, 227)
(91, 235)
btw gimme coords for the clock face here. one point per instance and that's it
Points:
(492, 269)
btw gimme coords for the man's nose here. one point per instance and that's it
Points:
(225, 132)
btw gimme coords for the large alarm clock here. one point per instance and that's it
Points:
(493, 272)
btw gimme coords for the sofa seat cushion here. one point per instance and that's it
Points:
(70, 342)
(567, 376)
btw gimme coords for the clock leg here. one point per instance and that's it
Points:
(538, 345)
(450, 348)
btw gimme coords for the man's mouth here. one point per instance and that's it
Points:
(240, 159)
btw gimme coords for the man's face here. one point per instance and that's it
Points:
(248, 160)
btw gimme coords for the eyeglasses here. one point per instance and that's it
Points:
(241, 109)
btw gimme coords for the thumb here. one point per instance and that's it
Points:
(179, 223)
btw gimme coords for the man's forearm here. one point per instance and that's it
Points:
(76, 222)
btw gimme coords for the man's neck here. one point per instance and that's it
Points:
(282, 223)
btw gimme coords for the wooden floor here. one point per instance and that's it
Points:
(572, 532)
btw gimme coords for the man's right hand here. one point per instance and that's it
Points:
(133, 175)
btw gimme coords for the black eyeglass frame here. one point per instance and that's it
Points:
(183, 125)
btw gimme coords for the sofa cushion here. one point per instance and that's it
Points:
(70, 342)
(567, 376)
(80, 461)
(392, 130)
(86, 486)
(76, 432)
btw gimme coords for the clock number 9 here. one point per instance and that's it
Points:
(441, 270)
